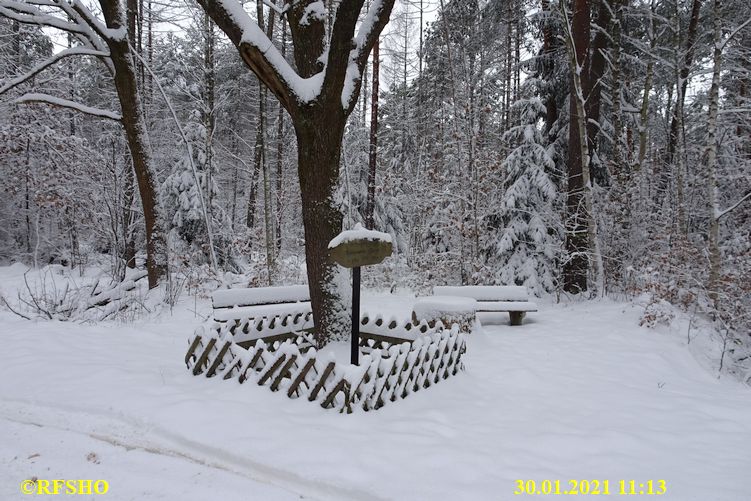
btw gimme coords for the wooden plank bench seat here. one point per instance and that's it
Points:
(494, 301)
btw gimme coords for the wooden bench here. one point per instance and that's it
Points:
(493, 301)
(272, 313)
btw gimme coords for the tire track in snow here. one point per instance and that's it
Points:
(176, 446)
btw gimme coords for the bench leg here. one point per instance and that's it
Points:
(516, 317)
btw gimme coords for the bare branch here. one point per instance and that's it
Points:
(7, 305)
(65, 103)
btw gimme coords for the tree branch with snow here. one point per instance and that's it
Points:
(75, 51)
(33, 97)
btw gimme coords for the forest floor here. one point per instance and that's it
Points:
(580, 391)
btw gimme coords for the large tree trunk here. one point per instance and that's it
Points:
(582, 240)
(135, 130)
(318, 154)
(575, 268)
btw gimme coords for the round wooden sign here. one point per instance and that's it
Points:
(360, 247)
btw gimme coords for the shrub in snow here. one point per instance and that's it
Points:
(657, 312)
(181, 194)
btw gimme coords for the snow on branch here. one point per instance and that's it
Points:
(279, 10)
(370, 29)
(735, 32)
(75, 51)
(733, 207)
(74, 18)
(260, 54)
(86, 16)
(65, 103)
(27, 14)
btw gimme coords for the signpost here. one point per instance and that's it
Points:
(353, 249)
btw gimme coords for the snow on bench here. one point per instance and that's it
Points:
(226, 298)
(493, 301)
(447, 309)
(263, 312)
(279, 313)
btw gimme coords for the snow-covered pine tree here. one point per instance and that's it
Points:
(526, 249)
(180, 192)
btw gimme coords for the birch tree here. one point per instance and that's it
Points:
(713, 196)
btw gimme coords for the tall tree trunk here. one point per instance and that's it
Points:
(581, 238)
(129, 240)
(619, 200)
(688, 59)
(593, 91)
(373, 142)
(250, 217)
(715, 257)
(135, 131)
(209, 116)
(548, 51)
(27, 196)
(280, 155)
(681, 220)
(636, 191)
(319, 150)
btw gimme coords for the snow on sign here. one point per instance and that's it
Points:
(360, 247)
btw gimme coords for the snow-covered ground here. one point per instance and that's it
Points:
(580, 391)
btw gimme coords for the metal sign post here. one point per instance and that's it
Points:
(354, 249)
(355, 350)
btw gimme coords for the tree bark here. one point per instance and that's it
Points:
(581, 238)
(593, 92)
(373, 143)
(135, 130)
(688, 60)
(319, 150)
(715, 257)
(280, 156)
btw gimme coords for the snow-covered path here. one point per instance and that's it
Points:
(578, 392)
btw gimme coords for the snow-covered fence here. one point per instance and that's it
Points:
(387, 373)
(286, 322)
